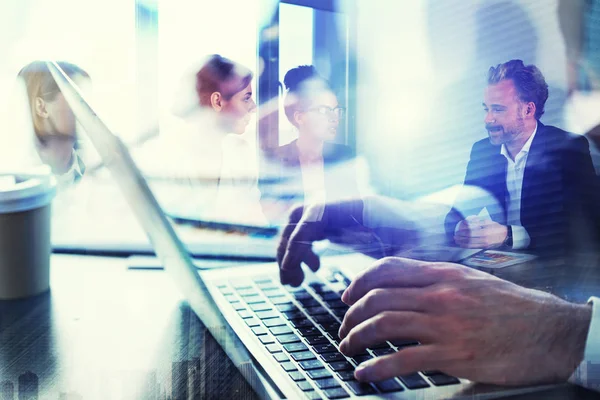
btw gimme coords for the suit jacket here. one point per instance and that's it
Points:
(559, 197)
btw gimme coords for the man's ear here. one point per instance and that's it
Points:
(530, 109)
(40, 108)
(298, 118)
(216, 101)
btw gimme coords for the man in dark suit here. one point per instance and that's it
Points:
(539, 180)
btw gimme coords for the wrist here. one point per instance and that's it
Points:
(508, 239)
(570, 339)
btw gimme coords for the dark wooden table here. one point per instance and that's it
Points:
(106, 332)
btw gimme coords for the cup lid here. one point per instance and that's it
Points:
(22, 191)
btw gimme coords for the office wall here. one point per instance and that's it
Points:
(422, 69)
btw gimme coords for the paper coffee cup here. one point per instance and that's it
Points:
(25, 205)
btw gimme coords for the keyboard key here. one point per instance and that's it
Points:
(276, 293)
(360, 358)
(245, 314)
(414, 381)
(231, 298)
(291, 338)
(332, 357)
(319, 310)
(296, 376)
(389, 385)
(383, 345)
(332, 326)
(253, 299)
(304, 386)
(268, 288)
(281, 300)
(324, 348)
(259, 330)
(261, 280)
(339, 312)
(309, 302)
(238, 306)
(310, 364)
(286, 307)
(288, 366)
(302, 356)
(267, 314)
(327, 383)
(292, 347)
(294, 314)
(266, 339)
(248, 292)
(269, 323)
(346, 375)
(241, 285)
(274, 348)
(324, 319)
(302, 295)
(328, 296)
(281, 357)
(318, 373)
(301, 323)
(317, 286)
(252, 322)
(280, 330)
(429, 373)
(336, 304)
(443, 379)
(312, 395)
(338, 366)
(262, 306)
(360, 388)
(312, 340)
(404, 343)
(383, 352)
(309, 331)
(335, 393)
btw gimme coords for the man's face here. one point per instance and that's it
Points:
(503, 112)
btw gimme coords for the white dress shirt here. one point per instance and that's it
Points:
(514, 184)
(584, 375)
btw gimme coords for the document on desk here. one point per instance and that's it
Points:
(494, 259)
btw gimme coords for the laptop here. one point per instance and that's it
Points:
(282, 339)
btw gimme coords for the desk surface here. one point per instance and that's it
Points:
(105, 332)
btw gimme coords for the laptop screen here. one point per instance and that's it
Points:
(165, 242)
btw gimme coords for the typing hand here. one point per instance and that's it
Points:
(470, 324)
(479, 233)
(340, 222)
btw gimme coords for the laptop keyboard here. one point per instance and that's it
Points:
(299, 327)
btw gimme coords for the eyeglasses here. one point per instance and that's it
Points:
(324, 110)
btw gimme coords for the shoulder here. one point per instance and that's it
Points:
(484, 148)
(335, 152)
(559, 139)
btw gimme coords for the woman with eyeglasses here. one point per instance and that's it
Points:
(313, 166)
(54, 123)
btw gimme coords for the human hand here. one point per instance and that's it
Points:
(340, 222)
(470, 324)
(480, 233)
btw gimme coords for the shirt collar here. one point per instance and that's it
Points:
(524, 150)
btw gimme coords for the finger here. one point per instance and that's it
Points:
(299, 249)
(395, 272)
(388, 325)
(405, 361)
(379, 300)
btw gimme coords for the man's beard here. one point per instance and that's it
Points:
(499, 135)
